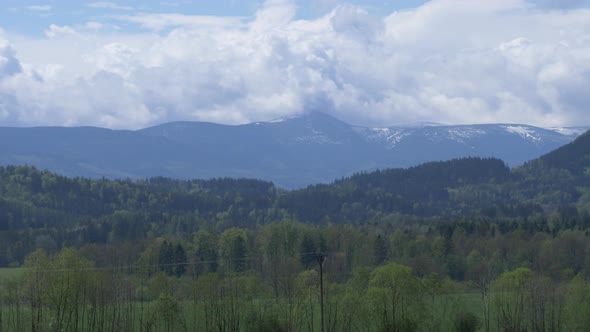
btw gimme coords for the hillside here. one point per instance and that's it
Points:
(574, 157)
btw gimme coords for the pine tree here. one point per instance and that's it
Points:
(179, 261)
(239, 254)
(307, 251)
(380, 250)
(166, 258)
(323, 246)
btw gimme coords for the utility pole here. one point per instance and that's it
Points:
(321, 257)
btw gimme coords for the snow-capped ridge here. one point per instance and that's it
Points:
(569, 131)
(525, 132)
(293, 152)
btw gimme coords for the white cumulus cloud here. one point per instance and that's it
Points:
(449, 61)
(56, 30)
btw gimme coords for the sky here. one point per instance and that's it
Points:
(137, 63)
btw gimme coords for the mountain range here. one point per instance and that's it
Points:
(292, 152)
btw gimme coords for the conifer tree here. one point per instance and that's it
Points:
(179, 261)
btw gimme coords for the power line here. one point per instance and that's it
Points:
(137, 267)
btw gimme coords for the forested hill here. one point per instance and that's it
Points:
(574, 157)
(30, 195)
(459, 187)
(34, 198)
(425, 190)
(557, 182)
(40, 208)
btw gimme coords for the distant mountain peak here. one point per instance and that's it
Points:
(283, 119)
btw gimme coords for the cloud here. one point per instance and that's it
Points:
(174, 3)
(55, 30)
(115, 58)
(108, 5)
(93, 25)
(39, 8)
(273, 14)
(10, 67)
(9, 64)
(449, 61)
(159, 22)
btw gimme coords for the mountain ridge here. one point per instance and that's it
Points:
(292, 152)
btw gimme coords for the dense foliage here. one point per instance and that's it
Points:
(403, 275)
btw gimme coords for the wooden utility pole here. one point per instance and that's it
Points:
(321, 257)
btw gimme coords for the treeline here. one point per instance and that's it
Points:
(407, 275)
(426, 190)
(39, 209)
(572, 157)
(22, 186)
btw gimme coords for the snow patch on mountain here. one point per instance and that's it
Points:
(524, 132)
(284, 119)
(316, 137)
(391, 136)
(570, 131)
(460, 134)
